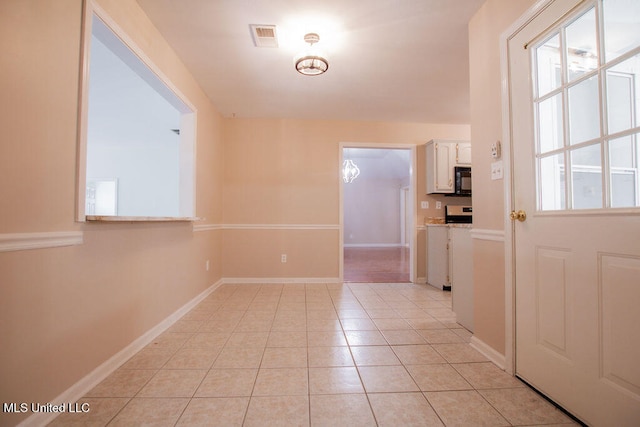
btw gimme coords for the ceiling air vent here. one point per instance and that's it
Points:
(264, 35)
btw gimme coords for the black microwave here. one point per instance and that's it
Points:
(462, 181)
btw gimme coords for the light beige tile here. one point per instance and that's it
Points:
(417, 354)
(281, 411)
(122, 383)
(326, 338)
(212, 340)
(374, 356)
(341, 410)
(193, 358)
(214, 412)
(383, 313)
(403, 409)
(323, 325)
(227, 383)
(326, 314)
(170, 340)
(329, 357)
(464, 408)
(248, 339)
(197, 315)
(459, 353)
(357, 313)
(254, 325)
(283, 357)
(437, 377)
(413, 313)
(403, 337)
(281, 382)
(287, 339)
(463, 333)
(440, 336)
(358, 325)
(425, 324)
(521, 406)
(365, 338)
(239, 357)
(150, 411)
(385, 379)
(290, 323)
(148, 358)
(487, 375)
(336, 380)
(100, 412)
(220, 325)
(391, 324)
(173, 383)
(185, 325)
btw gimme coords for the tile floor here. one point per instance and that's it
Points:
(315, 354)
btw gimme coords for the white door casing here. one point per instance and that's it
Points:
(576, 256)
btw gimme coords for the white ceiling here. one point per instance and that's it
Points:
(390, 60)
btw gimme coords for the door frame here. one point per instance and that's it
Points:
(507, 158)
(413, 267)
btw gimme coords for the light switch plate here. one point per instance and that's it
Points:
(496, 170)
(424, 205)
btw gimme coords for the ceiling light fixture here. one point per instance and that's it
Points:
(311, 62)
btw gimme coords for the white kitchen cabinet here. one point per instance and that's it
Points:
(461, 261)
(438, 256)
(441, 157)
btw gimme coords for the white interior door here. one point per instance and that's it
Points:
(574, 93)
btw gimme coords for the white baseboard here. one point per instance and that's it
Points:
(375, 245)
(497, 358)
(271, 280)
(79, 389)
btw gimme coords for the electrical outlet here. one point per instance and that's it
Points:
(424, 205)
(207, 265)
(283, 258)
(438, 205)
(496, 150)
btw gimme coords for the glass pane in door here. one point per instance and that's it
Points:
(584, 111)
(623, 95)
(550, 124)
(548, 63)
(552, 183)
(582, 48)
(621, 27)
(624, 159)
(586, 177)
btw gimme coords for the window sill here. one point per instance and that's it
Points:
(106, 218)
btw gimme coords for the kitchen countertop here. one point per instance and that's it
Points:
(451, 225)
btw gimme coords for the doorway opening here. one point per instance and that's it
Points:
(378, 215)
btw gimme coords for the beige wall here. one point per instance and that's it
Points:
(287, 172)
(64, 311)
(485, 29)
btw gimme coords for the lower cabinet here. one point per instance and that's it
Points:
(438, 256)
(461, 260)
(450, 266)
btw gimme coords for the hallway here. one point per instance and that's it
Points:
(314, 354)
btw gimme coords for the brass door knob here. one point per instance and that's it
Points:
(520, 215)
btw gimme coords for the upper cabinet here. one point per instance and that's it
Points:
(442, 156)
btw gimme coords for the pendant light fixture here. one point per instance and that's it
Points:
(311, 62)
(349, 171)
